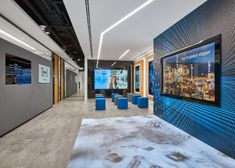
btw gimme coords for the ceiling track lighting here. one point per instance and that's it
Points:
(113, 63)
(116, 24)
(16, 39)
(124, 54)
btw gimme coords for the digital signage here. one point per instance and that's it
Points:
(137, 78)
(18, 70)
(193, 73)
(110, 79)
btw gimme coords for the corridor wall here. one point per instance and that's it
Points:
(19, 103)
(71, 83)
(213, 125)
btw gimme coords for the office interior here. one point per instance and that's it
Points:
(110, 84)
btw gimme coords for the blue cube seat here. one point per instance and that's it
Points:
(122, 103)
(142, 102)
(134, 99)
(100, 103)
(116, 97)
(99, 96)
(113, 95)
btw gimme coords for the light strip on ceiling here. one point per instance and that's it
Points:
(117, 23)
(113, 63)
(143, 53)
(124, 54)
(16, 39)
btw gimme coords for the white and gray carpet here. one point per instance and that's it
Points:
(141, 142)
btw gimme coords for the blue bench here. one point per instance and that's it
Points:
(122, 103)
(134, 99)
(113, 95)
(142, 102)
(100, 103)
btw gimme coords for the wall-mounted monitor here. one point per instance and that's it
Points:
(151, 77)
(18, 70)
(137, 78)
(43, 74)
(193, 73)
(110, 79)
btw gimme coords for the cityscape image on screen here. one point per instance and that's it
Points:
(190, 74)
(110, 79)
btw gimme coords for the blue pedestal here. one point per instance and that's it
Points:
(142, 102)
(134, 99)
(100, 104)
(122, 103)
(113, 95)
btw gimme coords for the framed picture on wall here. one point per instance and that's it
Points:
(18, 70)
(43, 74)
(137, 78)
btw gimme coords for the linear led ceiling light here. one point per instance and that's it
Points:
(16, 39)
(113, 63)
(117, 23)
(124, 54)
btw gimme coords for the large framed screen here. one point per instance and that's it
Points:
(110, 79)
(18, 70)
(194, 72)
(137, 78)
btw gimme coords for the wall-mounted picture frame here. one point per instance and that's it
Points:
(44, 74)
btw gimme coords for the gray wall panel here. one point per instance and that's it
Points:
(71, 83)
(19, 103)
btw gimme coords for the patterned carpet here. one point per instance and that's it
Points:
(141, 142)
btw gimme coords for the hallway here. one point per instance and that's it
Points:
(47, 140)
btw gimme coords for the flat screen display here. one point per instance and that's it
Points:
(193, 73)
(18, 70)
(110, 79)
(137, 78)
(151, 77)
(43, 74)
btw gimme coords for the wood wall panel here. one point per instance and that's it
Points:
(141, 64)
(56, 78)
(62, 80)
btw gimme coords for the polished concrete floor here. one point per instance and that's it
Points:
(47, 141)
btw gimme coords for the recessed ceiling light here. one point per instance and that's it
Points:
(16, 39)
(117, 23)
(124, 54)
